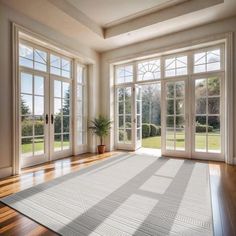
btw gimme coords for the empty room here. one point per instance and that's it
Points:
(118, 117)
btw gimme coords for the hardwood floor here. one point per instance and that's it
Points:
(222, 179)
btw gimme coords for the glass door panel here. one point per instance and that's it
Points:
(61, 115)
(207, 115)
(138, 119)
(124, 116)
(175, 113)
(34, 118)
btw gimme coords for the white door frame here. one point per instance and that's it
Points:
(67, 152)
(122, 145)
(37, 159)
(211, 41)
(176, 153)
(208, 155)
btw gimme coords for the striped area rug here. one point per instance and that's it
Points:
(128, 194)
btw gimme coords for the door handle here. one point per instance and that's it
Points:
(52, 118)
(46, 118)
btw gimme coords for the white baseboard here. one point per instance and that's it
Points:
(5, 172)
(234, 161)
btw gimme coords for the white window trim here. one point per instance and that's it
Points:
(78, 149)
(64, 52)
(208, 42)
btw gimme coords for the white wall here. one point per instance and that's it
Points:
(150, 46)
(7, 16)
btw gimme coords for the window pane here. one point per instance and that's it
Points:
(213, 56)
(80, 108)
(214, 105)
(127, 121)
(200, 87)
(55, 71)
(38, 85)
(180, 89)
(121, 122)
(25, 62)
(65, 74)
(57, 106)
(66, 90)
(180, 139)
(57, 89)
(213, 66)
(40, 66)
(66, 107)
(149, 70)
(127, 135)
(207, 61)
(38, 105)
(179, 122)
(170, 121)
(170, 107)
(26, 147)
(66, 124)
(121, 107)
(55, 61)
(124, 74)
(26, 126)
(200, 142)
(179, 106)
(199, 58)
(57, 124)
(121, 135)
(201, 106)
(26, 51)
(214, 143)
(40, 56)
(57, 142)
(65, 65)
(26, 83)
(170, 137)
(26, 104)
(38, 145)
(80, 92)
(176, 66)
(66, 141)
(38, 125)
(170, 90)
(213, 86)
(80, 77)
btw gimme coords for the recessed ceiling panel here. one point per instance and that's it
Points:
(110, 12)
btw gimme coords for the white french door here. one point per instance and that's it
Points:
(175, 119)
(193, 117)
(60, 117)
(128, 117)
(34, 115)
(45, 118)
(208, 116)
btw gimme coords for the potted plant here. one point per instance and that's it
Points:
(101, 127)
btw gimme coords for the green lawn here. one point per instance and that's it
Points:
(39, 146)
(152, 142)
(213, 141)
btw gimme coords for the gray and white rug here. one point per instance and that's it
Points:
(128, 194)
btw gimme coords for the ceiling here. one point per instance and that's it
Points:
(111, 12)
(108, 24)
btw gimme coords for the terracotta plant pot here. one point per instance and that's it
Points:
(101, 149)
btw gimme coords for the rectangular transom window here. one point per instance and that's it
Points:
(124, 74)
(60, 66)
(206, 61)
(176, 66)
(32, 58)
(149, 70)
